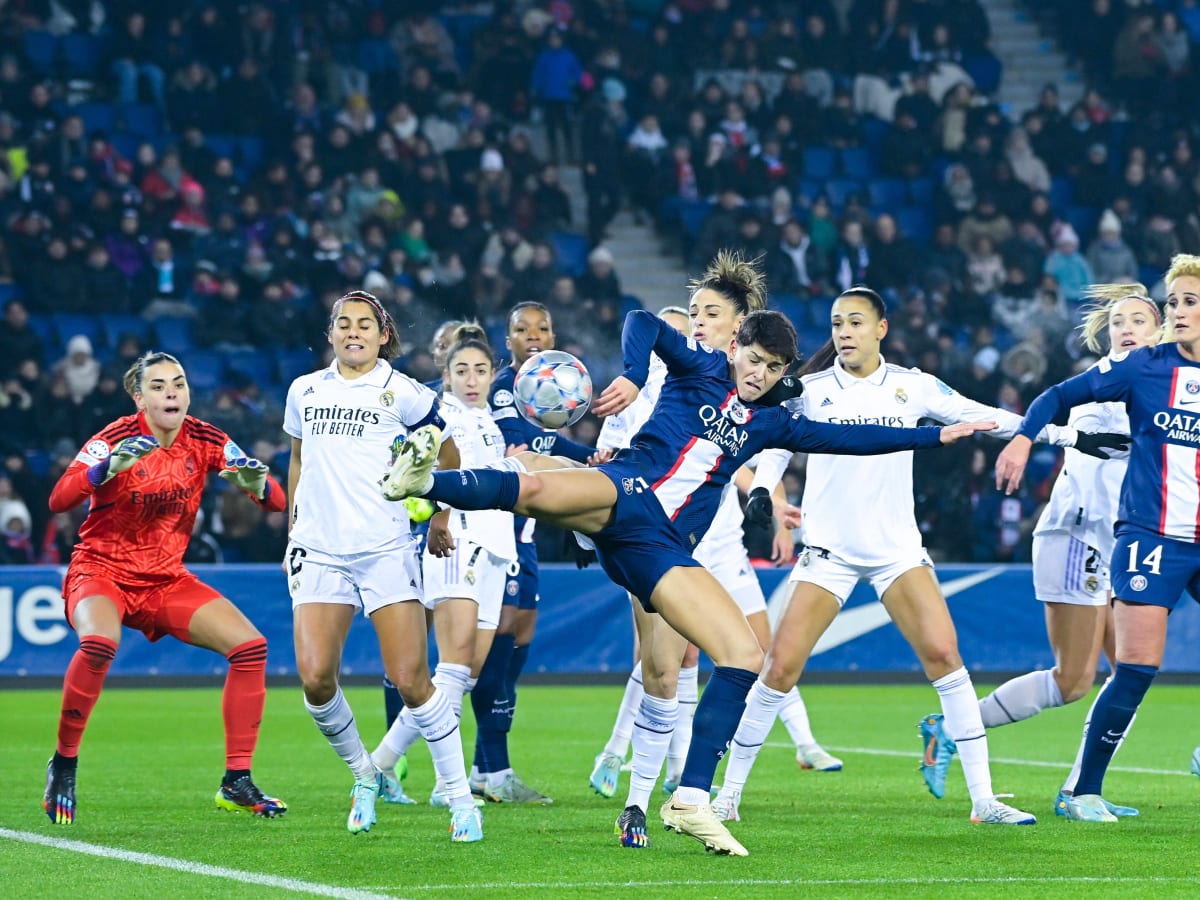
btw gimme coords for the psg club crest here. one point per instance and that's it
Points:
(901, 397)
(1138, 582)
(627, 485)
(1192, 387)
(738, 413)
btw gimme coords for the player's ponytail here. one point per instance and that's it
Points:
(469, 335)
(136, 373)
(1104, 297)
(825, 356)
(390, 347)
(738, 280)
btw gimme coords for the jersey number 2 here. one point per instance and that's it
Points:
(1152, 560)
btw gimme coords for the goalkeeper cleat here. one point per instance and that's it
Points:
(939, 750)
(466, 824)
(513, 790)
(631, 828)
(726, 806)
(606, 774)
(701, 823)
(59, 799)
(390, 789)
(814, 757)
(410, 472)
(1121, 812)
(362, 806)
(244, 796)
(1196, 761)
(1089, 808)
(993, 812)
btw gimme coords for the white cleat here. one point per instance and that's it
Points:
(814, 757)
(409, 474)
(701, 823)
(362, 806)
(1089, 808)
(726, 806)
(994, 812)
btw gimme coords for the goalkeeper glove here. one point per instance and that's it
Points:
(248, 474)
(760, 510)
(1103, 444)
(124, 455)
(419, 509)
(583, 556)
(789, 387)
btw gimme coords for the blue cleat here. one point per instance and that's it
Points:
(939, 750)
(631, 828)
(1121, 812)
(362, 806)
(1196, 761)
(1089, 808)
(390, 789)
(466, 824)
(606, 774)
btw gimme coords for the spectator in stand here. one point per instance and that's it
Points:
(555, 78)
(984, 220)
(18, 340)
(598, 287)
(602, 148)
(79, 369)
(135, 53)
(160, 289)
(905, 152)
(1137, 61)
(552, 203)
(1110, 259)
(852, 257)
(945, 259)
(795, 265)
(1068, 266)
(956, 195)
(1026, 165)
(893, 257)
(646, 154)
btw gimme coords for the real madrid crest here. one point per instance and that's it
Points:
(901, 397)
(387, 399)
(469, 578)
(1091, 584)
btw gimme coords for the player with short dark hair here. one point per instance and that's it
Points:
(144, 476)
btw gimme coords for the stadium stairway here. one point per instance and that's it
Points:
(1030, 60)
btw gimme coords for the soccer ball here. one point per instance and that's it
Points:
(553, 389)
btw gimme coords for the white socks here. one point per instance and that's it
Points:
(1020, 698)
(762, 706)
(964, 725)
(439, 727)
(794, 715)
(618, 741)
(651, 736)
(454, 681)
(336, 721)
(688, 694)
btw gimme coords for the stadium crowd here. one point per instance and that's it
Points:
(207, 178)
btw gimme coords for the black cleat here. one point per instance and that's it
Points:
(244, 796)
(59, 799)
(631, 828)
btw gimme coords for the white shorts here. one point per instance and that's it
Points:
(736, 575)
(822, 568)
(1066, 570)
(371, 580)
(471, 572)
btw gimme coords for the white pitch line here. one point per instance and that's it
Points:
(795, 882)
(192, 868)
(1035, 763)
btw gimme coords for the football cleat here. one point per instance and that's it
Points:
(244, 796)
(814, 757)
(701, 823)
(439, 798)
(409, 474)
(606, 774)
(939, 750)
(631, 828)
(671, 783)
(726, 806)
(1121, 812)
(1089, 808)
(466, 823)
(362, 806)
(513, 790)
(1196, 761)
(390, 789)
(477, 785)
(994, 812)
(59, 799)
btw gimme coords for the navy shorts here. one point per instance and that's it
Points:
(521, 588)
(640, 545)
(1153, 570)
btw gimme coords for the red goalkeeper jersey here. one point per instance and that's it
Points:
(140, 521)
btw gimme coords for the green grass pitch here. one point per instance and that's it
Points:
(152, 760)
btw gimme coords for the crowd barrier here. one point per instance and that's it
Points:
(584, 626)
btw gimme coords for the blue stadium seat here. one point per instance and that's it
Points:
(223, 145)
(1149, 276)
(811, 338)
(174, 334)
(819, 162)
(251, 151)
(629, 303)
(96, 117)
(82, 54)
(916, 223)
(69, 324)
(819, 309)
(41, 50)
(570, 252)
(838, 190)
(811, 188)
(985, 70)
(886, 194)
(258, 365)
(693, 213)
(291, 364)
(125, 144)
(43, 327)
(792, 306)
(376, 57)
(858, 162)
(873, 131)
(1083, 219)
(10, 290)
(141, 118)
(920, 191)
(1062, 192)
(205, 369)
(38, 461)
(117, 324)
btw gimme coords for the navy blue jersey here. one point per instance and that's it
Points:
(700, 432)
(1161, 390)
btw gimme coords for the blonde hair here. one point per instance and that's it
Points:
(1104, 298)
(1183, 264)
(738, 280)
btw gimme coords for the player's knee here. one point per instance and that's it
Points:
(1073, 685)
(940, 658)
(780, 674)
(658, 682)
(413, 683)
(748, 656)
(319, 682)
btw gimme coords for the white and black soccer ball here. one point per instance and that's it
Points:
(553, 389)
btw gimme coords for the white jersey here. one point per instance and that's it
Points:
(860, 508)
(479, 443)
(1087, 491)
(618, 431)
(347, 427)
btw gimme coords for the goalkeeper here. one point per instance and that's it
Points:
(144, 475)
